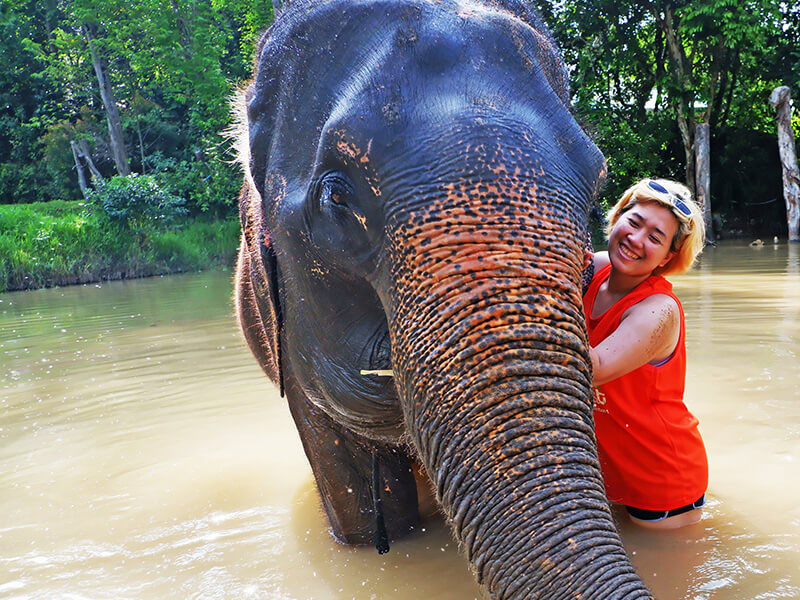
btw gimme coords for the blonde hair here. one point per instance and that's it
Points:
(690, 238)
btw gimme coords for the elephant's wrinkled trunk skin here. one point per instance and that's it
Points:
(491, 362)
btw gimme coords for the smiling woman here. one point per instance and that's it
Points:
(651, 453)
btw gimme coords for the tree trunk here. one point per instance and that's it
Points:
(87, 156)
(79, 168)
(682, 74)
(733, 78)
(702, 148)
(791, 177)
(687, 136)
(118, 151)
(141, 142)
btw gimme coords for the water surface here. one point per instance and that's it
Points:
(144, 455)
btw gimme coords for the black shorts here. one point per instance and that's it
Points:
(659, 515)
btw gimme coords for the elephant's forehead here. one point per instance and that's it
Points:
(386, 72)
(404, 48)
(437, 14)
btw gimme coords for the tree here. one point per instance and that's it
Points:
(619, 64)
(706, 40)
(118, 150)
(646, 73)
(106, 77)
(780, 100)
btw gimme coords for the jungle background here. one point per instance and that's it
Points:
(133, 97)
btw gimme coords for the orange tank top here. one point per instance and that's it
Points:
(651, 452)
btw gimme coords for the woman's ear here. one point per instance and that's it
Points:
(667, 258)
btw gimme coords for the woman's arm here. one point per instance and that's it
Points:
(648, 332)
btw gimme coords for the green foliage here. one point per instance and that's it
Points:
(196, 246)
(59, 243)
(39, 240)
(172, 65)
(29, 101)
(209, 184)
(633, 150)
(136, 202)
(250, 18)
(730, 23)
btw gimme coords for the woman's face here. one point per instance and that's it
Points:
(641, 239)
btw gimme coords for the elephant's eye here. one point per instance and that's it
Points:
(334, 189)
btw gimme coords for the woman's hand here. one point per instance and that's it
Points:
(595, 360)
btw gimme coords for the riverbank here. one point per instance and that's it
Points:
(54, 243)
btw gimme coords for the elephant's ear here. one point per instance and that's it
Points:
(258, 298)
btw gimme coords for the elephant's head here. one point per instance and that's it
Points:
(415, 199)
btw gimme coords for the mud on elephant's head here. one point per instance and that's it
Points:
(415, 199)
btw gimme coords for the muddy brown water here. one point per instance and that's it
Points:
(144, 455)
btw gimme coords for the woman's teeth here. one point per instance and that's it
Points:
(627, 253)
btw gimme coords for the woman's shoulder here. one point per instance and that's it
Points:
(600, 260)
(658, 300)
(662, 306)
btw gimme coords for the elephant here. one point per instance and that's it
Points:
(415, 200)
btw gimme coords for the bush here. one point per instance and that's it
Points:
(208, 185)
(136, 202)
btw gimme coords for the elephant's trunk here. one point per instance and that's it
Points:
(490, 357)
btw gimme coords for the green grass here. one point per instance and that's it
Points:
(60, 243)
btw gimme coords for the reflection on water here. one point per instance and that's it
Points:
(144, 455)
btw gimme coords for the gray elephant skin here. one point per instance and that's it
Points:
(415, 198)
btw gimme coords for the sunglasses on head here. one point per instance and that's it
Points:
(673, 198)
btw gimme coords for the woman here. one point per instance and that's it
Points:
(651, 453)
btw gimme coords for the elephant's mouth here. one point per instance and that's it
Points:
(374, 367)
